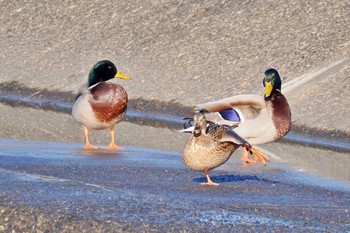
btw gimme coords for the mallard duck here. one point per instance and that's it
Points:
(257, 119)
(100, 104)
(211, 145)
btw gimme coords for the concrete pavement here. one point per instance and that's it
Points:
(59, 187)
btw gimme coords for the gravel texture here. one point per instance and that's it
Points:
(193, 51)
(324, 104)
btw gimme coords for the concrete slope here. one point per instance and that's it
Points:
(217, 49)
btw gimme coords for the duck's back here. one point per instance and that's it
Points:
(203, 153)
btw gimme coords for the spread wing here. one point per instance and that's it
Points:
(233, 110)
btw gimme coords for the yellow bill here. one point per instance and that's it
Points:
(122, 76)
(268, 88)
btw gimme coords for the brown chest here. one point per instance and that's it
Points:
(108, 101)
(281, 116)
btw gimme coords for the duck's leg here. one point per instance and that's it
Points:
(87, 143)
(112, 144)
(258, 156)
(209, 181)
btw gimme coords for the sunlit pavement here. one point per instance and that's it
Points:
(64, 187)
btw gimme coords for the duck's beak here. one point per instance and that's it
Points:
(122, 76)
(197, 131)
(268, 88)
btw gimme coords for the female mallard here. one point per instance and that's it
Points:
(100, 104)
(257, 119)
(211, 145)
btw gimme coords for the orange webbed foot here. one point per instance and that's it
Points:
(91, 147)
(113, 146)
(258, 156)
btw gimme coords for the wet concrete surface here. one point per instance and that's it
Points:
(52, 184)
(61, 187)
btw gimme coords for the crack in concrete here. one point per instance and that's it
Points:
(297, 82)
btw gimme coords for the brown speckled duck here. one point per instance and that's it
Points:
(211, 145)
(100, 104)
(257, 119)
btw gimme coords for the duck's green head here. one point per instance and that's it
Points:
(103, 71)
(272, 81)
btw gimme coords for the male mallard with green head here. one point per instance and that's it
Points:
(101, 104)
(211, 145)
(257, 119)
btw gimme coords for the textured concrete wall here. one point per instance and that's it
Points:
(186, 51)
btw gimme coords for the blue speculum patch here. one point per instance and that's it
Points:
(230, 115)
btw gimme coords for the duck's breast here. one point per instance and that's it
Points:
(202, 153)
(101, 107)
(83, 113)
(108, 101)
(282, 116)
